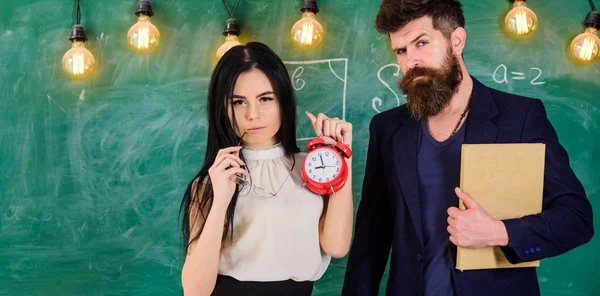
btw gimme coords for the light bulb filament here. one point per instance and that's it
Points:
(521, 23)
(78, 64)
(587, 48)
(143, 38)
(307, 33)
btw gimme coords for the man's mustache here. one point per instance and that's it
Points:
(416, 72)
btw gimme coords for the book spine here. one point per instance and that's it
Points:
(460, 203)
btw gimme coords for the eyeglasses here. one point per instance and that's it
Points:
(251, 186)
(245, 184)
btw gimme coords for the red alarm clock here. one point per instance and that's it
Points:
(324, 170)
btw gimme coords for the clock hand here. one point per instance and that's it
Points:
(322, 163)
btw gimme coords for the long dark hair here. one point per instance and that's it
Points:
(221, 134)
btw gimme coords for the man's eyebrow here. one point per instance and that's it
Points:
(395, 49)
(418, 37)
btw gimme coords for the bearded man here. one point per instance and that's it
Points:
(410, 194)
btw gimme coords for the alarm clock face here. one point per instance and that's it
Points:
(323, 165)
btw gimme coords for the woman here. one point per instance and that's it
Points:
(251, 227)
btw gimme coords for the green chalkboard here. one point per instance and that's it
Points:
(92, 172)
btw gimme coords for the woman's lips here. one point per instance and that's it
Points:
(256, 129)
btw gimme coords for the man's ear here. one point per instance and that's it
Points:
(457, 40)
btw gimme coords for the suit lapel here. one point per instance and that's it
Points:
(480, 128)
(405, 159)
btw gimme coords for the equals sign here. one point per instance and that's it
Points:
(519, 75)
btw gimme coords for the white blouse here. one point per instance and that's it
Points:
(274, 238)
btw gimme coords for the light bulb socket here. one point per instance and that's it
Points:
(77, 34)
(144, 8)
(310, 6)
(593, 20)
(232, 27)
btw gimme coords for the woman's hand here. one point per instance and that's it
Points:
(222, 173)
(333, 129)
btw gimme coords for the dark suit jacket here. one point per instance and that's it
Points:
(389, 212)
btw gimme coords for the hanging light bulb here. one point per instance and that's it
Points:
(521, 21)
(586, 46)
(78, 62)
(308, 31)
(231, 32)
(143, 36)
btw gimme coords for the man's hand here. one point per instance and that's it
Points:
(474, 227)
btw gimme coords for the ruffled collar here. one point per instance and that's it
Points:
(263, 153)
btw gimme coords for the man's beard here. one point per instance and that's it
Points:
(431, 93)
